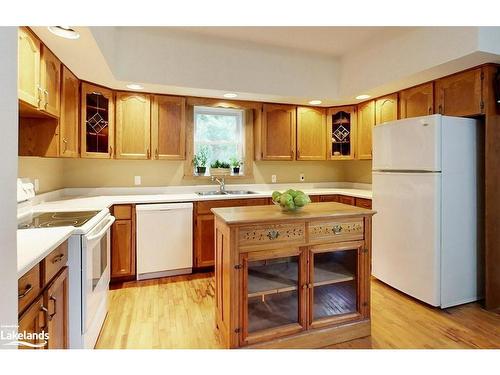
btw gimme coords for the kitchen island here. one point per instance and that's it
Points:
(292, 279)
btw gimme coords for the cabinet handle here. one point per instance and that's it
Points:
(298, 154)
(111, 151)
(336, 229)
(430, 110)
(440, 110)
(28, 289)
(46, 98)
(273, 234)
(156, 154)
(304, 286)
(149, 154)
(310, 285)
(40, 94)
(51, 316)
(65, 141)
(292, 154)
(57, 258)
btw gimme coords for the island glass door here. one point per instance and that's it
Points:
(334, 287)
(273, 298)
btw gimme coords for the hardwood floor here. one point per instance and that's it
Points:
(179, 312)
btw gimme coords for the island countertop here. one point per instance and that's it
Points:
(256, 214)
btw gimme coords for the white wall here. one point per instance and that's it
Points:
(8, 167)
(153, 55)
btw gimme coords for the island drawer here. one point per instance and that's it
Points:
(55, 261)
(271, 234)
(28, 287)
(336, 231)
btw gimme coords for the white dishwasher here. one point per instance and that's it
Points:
(164, 239)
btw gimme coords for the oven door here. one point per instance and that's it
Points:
(95, 275)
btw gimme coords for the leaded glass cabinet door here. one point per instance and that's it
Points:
(274, 294)
(97, 122)
(341, 132)
(335, 291)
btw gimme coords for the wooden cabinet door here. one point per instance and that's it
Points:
(460, 94)
(417, 101)
(68, 124)
(336, 272)
(97, 122)
(341, 132)
(204, 241)
(56, 301)
(273, 294)
(50, 80)
(28, 74)
(122, 249)
(133, 126)
(386, 109)
(366, 121)
(34, 321)
(311, 133)
(278, 132)
(168, 127)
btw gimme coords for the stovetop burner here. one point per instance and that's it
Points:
(57, 219)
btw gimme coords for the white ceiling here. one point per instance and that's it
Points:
(333, 41)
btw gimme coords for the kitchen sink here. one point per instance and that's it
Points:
(240, 192)
(226, 192)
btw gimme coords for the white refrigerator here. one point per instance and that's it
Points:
(427, 193)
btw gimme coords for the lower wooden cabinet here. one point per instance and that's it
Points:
(364, 203)
(203, 231)
(123, 254)
(329, 198)
(55, 300)
(43, 305)
(347, 200)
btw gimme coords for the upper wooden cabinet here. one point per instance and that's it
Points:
(460, 94)
(386, 109)
(341, 132)
(69, 124)
(168, 127)
(97, 122)
(311, 133)
(417, 101)
(50, 81)
(28, 74)
(278, 132)
(366, 121)
(133, 126)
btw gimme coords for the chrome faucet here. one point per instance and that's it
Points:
(221, 182)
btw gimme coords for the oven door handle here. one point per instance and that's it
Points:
(111, 220)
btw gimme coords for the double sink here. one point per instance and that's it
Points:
(226, 192)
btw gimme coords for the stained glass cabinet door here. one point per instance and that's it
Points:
(342, 132)
(97, 119)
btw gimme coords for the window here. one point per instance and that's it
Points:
(221, 130)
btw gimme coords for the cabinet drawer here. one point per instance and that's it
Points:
(122, 212)
(364, 203)
(55, 261)
(329, 198)
(271, 234)
(203, 207)
(28, 287)
(336, 231)
(346, 200)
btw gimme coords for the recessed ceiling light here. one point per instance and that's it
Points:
(134, 86)
(230, 95)
(64, 32)
(315, 102)
(363, 96)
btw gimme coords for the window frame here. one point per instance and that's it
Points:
(238, 113)
(251, 120)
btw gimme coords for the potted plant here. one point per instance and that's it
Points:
(200, 160)
(235, 164)
(219, 168)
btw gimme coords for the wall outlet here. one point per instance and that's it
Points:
(273, 179)
(137, 180)
(302, 177)
(36, 185)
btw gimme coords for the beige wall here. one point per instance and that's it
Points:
(49, 171)
(57, 173)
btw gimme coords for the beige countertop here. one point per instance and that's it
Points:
(256, 214)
